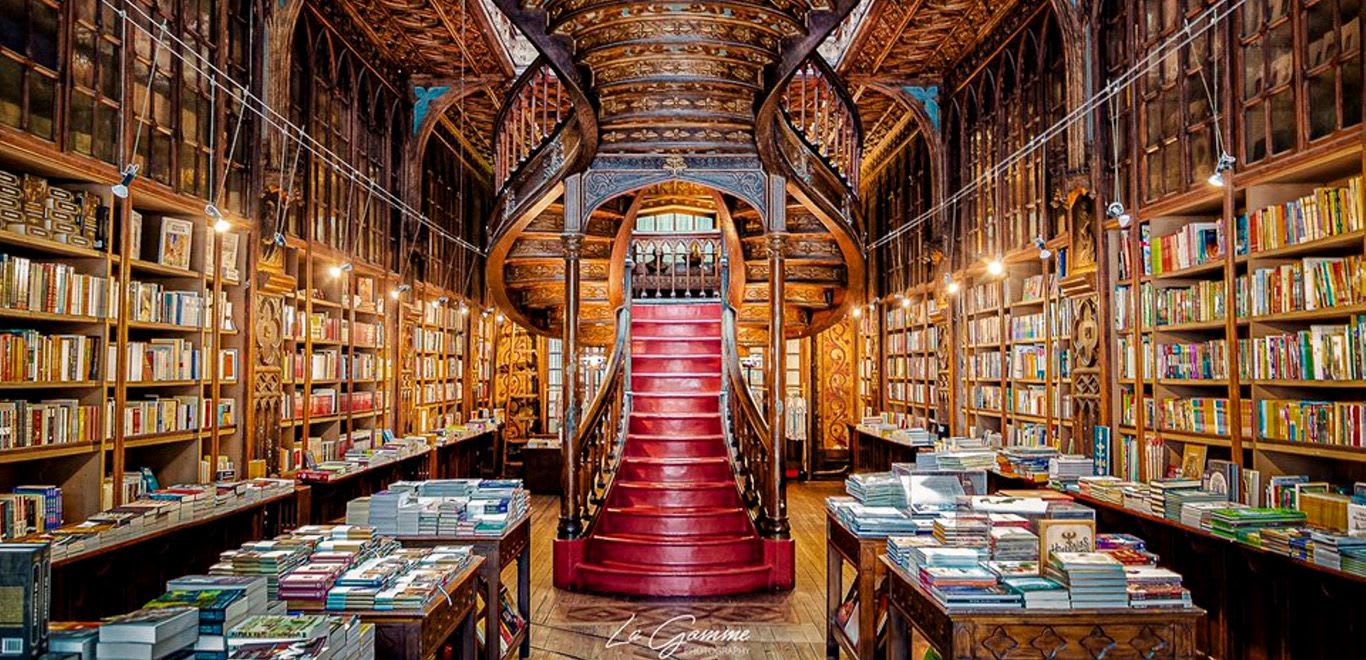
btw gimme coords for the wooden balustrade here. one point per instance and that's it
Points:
(678, 266)
(747, 431)
(817, 106)
(534, 110)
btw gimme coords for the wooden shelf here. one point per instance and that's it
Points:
(1194, 326)
(1310, 314)
(1333, 452)
(43, 452)
(1340, 241)
(153, 268)
(48, 247)
(1198, 269)
(27, 315)
(43, 385)
(1193, 438)
(1326, 384)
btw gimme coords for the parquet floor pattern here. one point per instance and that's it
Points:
(789, 625)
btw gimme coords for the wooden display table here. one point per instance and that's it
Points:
(1059, 634)
(1261, 603)
(842, 545)
(999, 481)
(874, 453)
(472, 456)
(498, 552)
(328, 497)
(420, 634)
(187, 547)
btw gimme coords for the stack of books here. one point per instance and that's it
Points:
(876, 521)
(445, 507)
(1176, 500)
(269, 558)
(1198, 514)
(1069, 468)
(1152, 587)
(1038, 593)
(219, 611)
(1014, 544)
(1292, 542)
(150, 633)
(1354, 560)
(302, 636)
(876, 489)
(963, 530)
(959, 461)
(1103, 487)
(311, 581)
(1096, 580)
(1158, 489)
(1245, 524)
(1028, 462)
(1329, 548)
(905, 551)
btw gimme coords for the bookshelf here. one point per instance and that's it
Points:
(437, 339)
(338, 364)
(1038, 323)
(983, 337)
(909, 361)
(868, 338)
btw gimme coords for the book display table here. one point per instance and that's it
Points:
(185, 547)
(998, 481)
(421, 634)
(1058, 634)
(328, 496)
(843, 546)
(498, 552)
(1261, 603)
(472, 455)
(874, 453)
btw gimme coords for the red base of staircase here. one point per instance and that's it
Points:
(673, 523)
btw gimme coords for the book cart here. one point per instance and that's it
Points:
(514, 545)
(861, 553)
(1088, 633)
(422, 634)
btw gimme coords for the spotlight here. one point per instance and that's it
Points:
(1115, 211)
(905, 302)
(464, 309)
(399, 291)
(443, 300)
(857, 312)
(279, 239)
(1044, 252)
(996, 266)
(1225, 164)
(954, 286)
(220, 223)
(336, 271)
(500, 317)
(120, 189)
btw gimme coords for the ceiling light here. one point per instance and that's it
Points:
(220, 223)
(1115, 211)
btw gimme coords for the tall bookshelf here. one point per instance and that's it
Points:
(983, 336)
(1037, 326)
(435, 335)
(909, 362)
(337, 349)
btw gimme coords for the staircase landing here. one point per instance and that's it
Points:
(673, 523)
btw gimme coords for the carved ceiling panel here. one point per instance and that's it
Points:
(441, 38)
(910, 39)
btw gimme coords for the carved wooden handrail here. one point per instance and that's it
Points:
(601, 436)
(747, 430)
(818, 107)
(677, 266)
(536, 107)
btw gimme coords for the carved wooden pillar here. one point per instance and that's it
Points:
(571, 523)
(775, 523)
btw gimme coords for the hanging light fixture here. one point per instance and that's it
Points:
(1115, 211)
(1044, 252)
(120, 189)
(954, 287)
(220, 223)
(1226, 164)
(399, 291)
(996, 267)
(344, 267)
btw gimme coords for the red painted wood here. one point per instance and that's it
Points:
(673, 523)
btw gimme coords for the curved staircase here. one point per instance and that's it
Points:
(673, 522)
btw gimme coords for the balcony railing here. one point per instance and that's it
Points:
(536, 108)
(677, 266)
(819, 108)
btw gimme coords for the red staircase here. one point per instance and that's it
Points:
(673, 523)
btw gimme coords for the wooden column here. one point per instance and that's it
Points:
(571, 522)
(775, 514)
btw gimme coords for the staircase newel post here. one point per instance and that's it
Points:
(571, 513)
(775, 500)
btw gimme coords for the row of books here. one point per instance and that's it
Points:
(30, 510)
(1332, 423)
(427, 340)
(436, 369)
(1161, 306)
(438, 392)
(51, 288)
(328, 364)
(1029, 361)
(1312, 283)
(359, 459)
(49, 422)
(443, 316)
(984, 330)
(1321, 352)
(153, 510)
(986, 397)
(1029, 399)
(1327, 211)
(154, 303)
(158, 415)
(29, 355)
(1206, 360)
(920, 339)
(1028, 326)
(983, 297)
(324, 402)
(443, 507)
(1203, 415)
(920, 367)
(1128, 363)
(1192, 245)
(986, 364)
(159, 359)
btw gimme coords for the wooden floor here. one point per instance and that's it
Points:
(787, 625)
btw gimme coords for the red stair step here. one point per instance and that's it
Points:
(669, 402)
(661, 494)
(720, 550)
(664, 446)
(676, 346)
(651, 381)
(661, 328)
(674, 423)
(662, 363)
(641, 468)
(710, 311)
(675, 521)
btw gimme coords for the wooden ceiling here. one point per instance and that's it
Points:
(910, 42)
